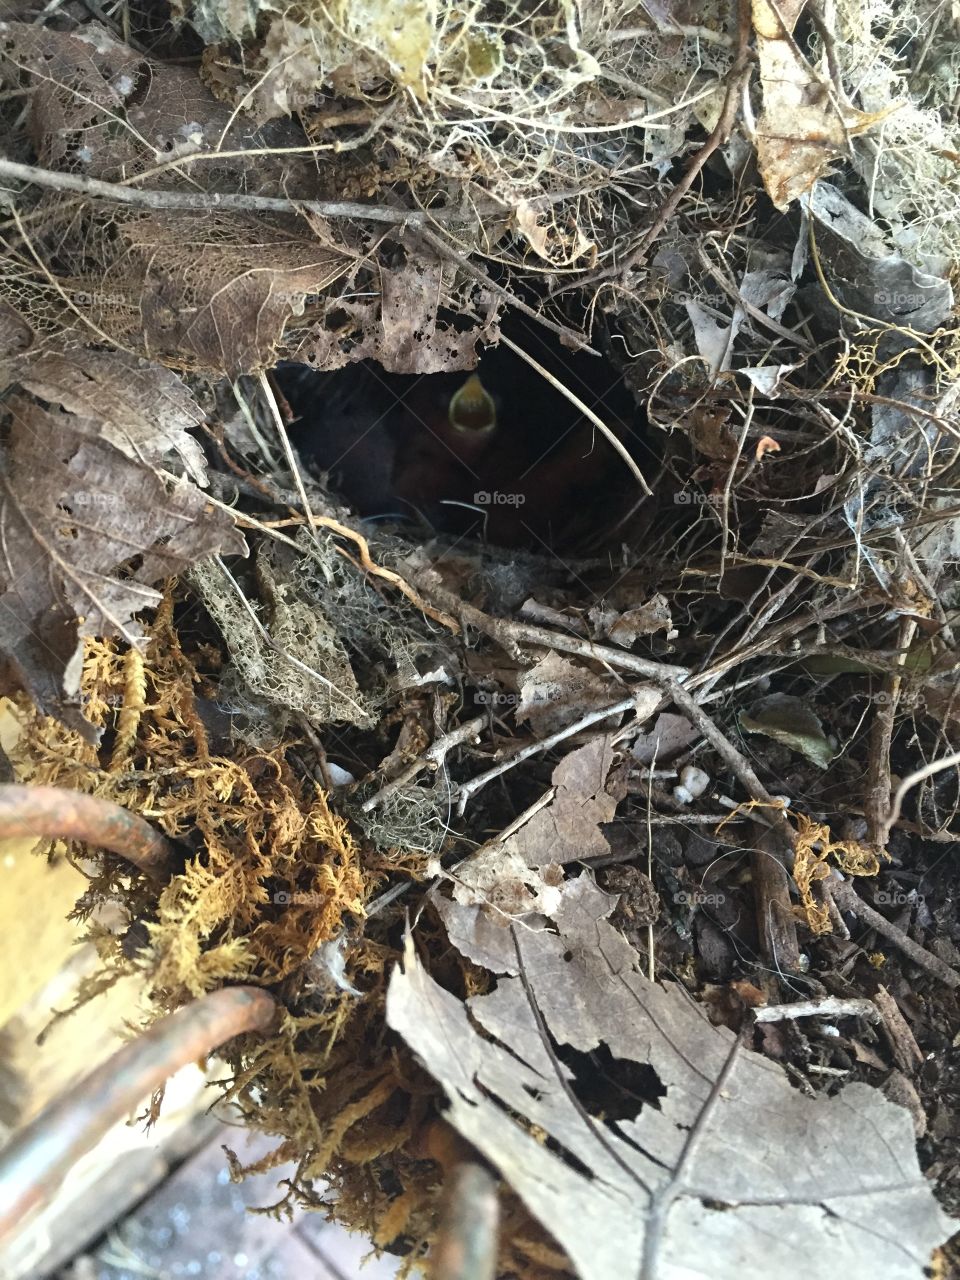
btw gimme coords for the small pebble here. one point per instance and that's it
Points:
(339, 776)
(694, 780)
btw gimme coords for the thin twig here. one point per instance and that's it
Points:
(906, 1052)
(521, 820)
(735, 761)
(206, 201)
(390, 895)
(281, 430)
(273, 527)
(651, 959)
(754, 312)
(728, 486)
(847, 899)
(827, 1007)
(512, 634)
(776, 922)
(618, 445)
(776, 634)
(453, 254)
(933, 595)
(537, 612)
(388, 575)
(777, 925)
(469, 789)
(876, 802)
(432, 758)
(666, 26)
(665, 1195)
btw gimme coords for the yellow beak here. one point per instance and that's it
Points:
(472, 409)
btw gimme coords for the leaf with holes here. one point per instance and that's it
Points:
(721, 1171)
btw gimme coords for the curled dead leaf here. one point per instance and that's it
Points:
(88, 530)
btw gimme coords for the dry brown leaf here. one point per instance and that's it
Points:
(500, 879)
(714, 338)
(399, 327)
(519, 875)
(720, 1170)
(626, 628)
(217, 292)
(212, 291)
(569, 827)
(87, 531)
(143, 410)
(804, 127)
(556, 692)
(669, 736)
(557, 247)
(100, 106)
(711, 433)
(79, 86)
(412, 340)
(766, 444)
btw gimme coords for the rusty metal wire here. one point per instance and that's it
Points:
(59, 814)
(466, 1246)
(39, 1157)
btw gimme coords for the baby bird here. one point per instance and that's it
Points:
(343, 425)
(440, 460)
(498, 453)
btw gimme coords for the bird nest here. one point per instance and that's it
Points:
(477, 451)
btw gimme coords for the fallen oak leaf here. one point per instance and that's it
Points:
(519, 873)
(569, 827)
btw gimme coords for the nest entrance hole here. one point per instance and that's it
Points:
(501, 455)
